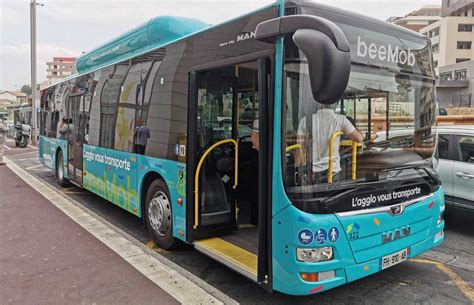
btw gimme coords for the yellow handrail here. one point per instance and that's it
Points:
(198, 171)
(293, 147)
(331, 152)
(354, 156)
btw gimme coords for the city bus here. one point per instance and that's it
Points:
(239, 139)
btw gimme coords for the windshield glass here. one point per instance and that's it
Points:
(380, 133)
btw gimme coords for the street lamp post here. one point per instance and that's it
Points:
(33, 5)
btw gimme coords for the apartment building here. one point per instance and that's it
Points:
(452, 40)
(60, 68)
(455, 85)
(460, 8)
(418, 19)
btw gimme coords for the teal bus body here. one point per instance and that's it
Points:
(355, 259)
(120, 177)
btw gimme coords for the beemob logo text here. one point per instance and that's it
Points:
(385, 53)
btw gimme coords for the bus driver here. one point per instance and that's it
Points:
(325, 123)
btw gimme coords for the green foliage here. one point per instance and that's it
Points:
(26, 89)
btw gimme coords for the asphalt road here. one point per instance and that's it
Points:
(441, 276)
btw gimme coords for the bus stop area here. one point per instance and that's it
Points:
(51, 253)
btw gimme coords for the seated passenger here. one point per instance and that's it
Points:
(325, 123)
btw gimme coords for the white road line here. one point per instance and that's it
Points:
(32, 146)
(6, 147)
(22, 154)
(179, 283)
(34, 167)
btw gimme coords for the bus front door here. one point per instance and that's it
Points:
(224, 210)
(214, 180)
(75, 136)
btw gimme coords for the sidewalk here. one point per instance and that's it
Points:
(46, 258)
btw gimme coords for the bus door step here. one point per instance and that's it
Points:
(230, 255)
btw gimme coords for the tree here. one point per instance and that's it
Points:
(26, 89)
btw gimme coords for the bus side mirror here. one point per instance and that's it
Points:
(325, 47)
(329, 67)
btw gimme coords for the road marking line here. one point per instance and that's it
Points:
(32, 146)
(34, 167)
(22, 154)
(6, 147)
(151, 244)
(457, 280)
(68, 192)
(179, 283)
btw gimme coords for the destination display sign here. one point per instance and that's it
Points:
(369, 199)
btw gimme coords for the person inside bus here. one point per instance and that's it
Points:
(142, 134)
(325, 123)
(66, 130)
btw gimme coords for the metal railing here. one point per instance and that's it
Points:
(198, 171)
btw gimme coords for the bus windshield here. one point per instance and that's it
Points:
(381, 133)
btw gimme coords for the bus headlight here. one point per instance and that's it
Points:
(440, 218)
(314, 255)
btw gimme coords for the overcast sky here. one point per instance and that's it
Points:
(70, 27)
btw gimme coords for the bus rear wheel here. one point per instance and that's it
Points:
(158, 214)
(62, 181)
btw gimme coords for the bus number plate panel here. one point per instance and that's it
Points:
(393, 259)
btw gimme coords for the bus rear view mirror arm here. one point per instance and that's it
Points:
(326, 49)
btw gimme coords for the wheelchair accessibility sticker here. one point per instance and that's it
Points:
(305, 236)
(320, 236)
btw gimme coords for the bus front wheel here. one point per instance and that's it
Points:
(158, 214)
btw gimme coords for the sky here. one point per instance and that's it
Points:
(71, 27)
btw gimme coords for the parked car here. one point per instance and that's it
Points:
(456, 168)
(456, 161)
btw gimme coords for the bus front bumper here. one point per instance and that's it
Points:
(354, 271)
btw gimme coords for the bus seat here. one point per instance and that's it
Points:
(215, 206)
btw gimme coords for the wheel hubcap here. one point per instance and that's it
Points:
(60, 169)
(159, 213)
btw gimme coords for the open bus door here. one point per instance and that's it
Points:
(227, 209)
(75, 109)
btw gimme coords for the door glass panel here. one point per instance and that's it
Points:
(443, 146)
(466, 149)
(215, 90)
(227, 108)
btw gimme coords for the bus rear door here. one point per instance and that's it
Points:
(75, 114)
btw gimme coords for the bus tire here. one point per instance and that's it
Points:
(158, 214)
(62, 181)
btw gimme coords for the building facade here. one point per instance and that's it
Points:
(460, 8)
(13, 97)
(418, 19)
(60, 68)
(451, 38)
(455, 86)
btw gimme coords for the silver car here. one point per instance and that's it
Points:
(456, 168)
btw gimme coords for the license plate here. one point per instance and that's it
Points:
(393, 259)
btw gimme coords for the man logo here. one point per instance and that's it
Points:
(245, 35)
(396, 209)
(396, 234)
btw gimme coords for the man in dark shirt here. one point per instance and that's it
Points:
(142, 134)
